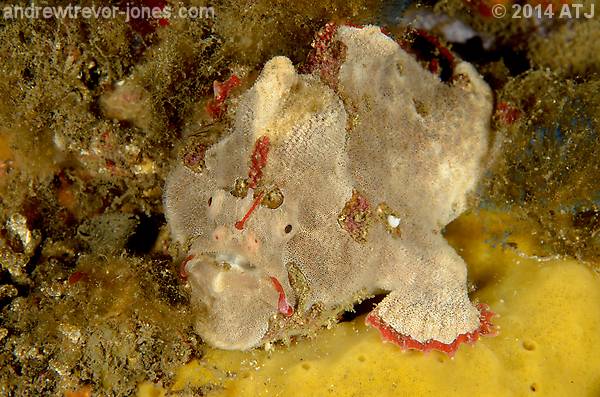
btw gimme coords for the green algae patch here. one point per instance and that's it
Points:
(546, 342)
(547, 168)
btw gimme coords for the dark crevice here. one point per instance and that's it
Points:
(363, 307)
(145, 235)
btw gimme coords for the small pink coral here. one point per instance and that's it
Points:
(216, 106)
(507, 113)
(434, 57)
(326, 56)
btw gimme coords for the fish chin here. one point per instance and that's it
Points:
(234, 304)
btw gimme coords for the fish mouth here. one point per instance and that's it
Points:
(224, 261)
(234, 261)
(218, 272)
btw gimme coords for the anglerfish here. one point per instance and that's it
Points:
(331, 186)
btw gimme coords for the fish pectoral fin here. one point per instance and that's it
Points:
(427, 318)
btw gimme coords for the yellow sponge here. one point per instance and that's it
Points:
(548, 345)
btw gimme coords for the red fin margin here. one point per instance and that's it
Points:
(406, 342)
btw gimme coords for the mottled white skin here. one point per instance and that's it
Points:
(366, 135)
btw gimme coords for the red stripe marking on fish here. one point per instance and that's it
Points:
(239, 225)
(258, 160)
(282, 304)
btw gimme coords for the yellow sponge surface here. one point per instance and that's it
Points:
(548, 315)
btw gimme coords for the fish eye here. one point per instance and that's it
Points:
(210, 201)
(273, 199)
(288, 229)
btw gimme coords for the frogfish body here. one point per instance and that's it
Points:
(333, 186)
